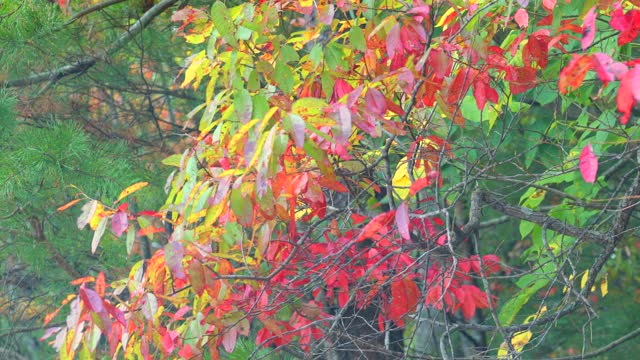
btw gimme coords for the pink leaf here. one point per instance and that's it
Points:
(522, 18)
(229, 339)
(169, 340)
(393, 40)
(119, 223)
(375, 101)
(549, 4)
(173, 254)
(402, 220)
(588, 164)
(606, 69)
(589, 28)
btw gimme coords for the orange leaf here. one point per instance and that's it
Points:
(573, 74)
(150, 230)
(50, 316)
(68, 205)
(83, 280)
(101, 284)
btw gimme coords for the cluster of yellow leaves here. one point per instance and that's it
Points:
(604, 284)
(520, 339)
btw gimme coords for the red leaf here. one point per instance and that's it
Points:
(589, 29)
(573, 74)
(521, 79)
(491, 263)
(588, 164)
(459, 86)
(628, 24)
(378, 224)
(628, 93)
(402, 220)
(537, 49)
(405, 296)
(357, 218)
(119, 222)
(340, 89)
(151, 213)
(467, 305)
(482, 91)
(419, 184)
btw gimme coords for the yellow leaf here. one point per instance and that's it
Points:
(520, 339)
(402, 182)
(604, 286)
(97, 216)
(241, 134)
(564, 290)
(584, 279)
(444, 16)
(130, 190)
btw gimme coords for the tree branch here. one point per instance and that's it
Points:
(91, 9)
(540, 218)
(89, 61)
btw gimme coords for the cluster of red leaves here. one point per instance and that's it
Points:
(453, 289)
(607, 69)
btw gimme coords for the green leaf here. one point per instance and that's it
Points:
(356, 35)
(223, 23)
(243, 106)
(288, 54)
(316, 54)
(333, 56)
(284, 77)
(173, 160)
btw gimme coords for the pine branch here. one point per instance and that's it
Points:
(89, 61)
